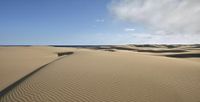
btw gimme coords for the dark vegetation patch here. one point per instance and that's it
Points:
(123, 48)
(196, 46)
(110, 50)
(172, 46)
(146, 45)
(64, 53)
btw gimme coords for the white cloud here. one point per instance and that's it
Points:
(129, 29)
(134, 38)
(100, 20)
(171, 17)
(165, 38)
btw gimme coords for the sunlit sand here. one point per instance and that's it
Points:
(100, 74)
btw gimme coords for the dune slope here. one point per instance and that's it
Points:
(16, 62)
(100, 76)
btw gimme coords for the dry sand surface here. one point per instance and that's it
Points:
(16, 62)
(90, 75)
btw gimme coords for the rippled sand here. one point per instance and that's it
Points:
(18, 61)
(103, 76)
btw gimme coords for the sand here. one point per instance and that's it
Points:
(16, 62)
(102, 76)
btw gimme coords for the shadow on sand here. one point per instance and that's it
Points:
(162, 51)
(112, 48)
(13, 85)
(151, 51)
(192, 55)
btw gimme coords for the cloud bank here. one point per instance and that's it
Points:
(163, 17)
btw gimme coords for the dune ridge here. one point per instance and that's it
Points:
(10, 87)
(18, 61)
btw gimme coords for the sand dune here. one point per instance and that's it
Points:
(16, 62)
(104, 76)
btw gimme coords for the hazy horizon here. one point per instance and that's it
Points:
(99, 22)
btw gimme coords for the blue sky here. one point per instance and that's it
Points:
(57, 22)
(69, 22)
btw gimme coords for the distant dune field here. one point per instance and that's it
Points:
(128, 73)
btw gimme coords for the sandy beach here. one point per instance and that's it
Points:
(126, 73)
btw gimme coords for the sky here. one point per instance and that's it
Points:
(99, 22)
